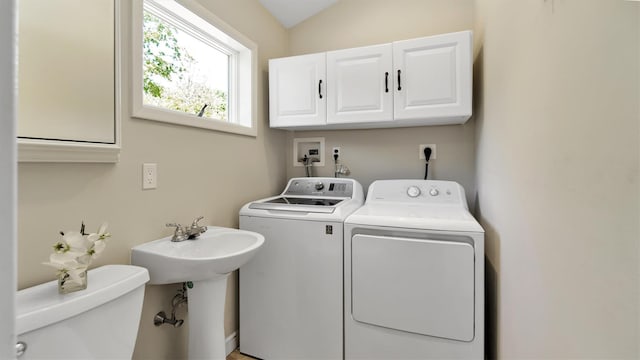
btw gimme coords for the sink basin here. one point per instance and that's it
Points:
(216, 252)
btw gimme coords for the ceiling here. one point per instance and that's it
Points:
(292, 12)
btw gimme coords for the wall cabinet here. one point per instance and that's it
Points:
(297, 95)
(360, 85)
(434, 79)
(424, 81)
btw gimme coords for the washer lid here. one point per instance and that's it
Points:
(415, 216)
(318, 199)
(299, 204)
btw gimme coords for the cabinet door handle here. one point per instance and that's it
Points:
(320, 89)
(399, 87)
(386, 82)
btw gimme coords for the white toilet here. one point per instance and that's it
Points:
(100, 322)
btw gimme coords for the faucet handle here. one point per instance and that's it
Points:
(179, 234)
(195, 230)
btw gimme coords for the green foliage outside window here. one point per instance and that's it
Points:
(168, 76)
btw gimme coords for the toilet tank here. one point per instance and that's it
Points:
(100, 322)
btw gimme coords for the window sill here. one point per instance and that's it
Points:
(167, 116)
(66, 151)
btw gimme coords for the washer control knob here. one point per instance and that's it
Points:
(413, 191)
(434, 192)
(319, 186)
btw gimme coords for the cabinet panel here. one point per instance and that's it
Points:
(360, 85)
(297, 95)
(67, 71)
(433, 78)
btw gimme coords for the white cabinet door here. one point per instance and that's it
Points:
(297, 96)
(433, 78)
(360, 85)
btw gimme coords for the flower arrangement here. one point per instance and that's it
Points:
(73, 254)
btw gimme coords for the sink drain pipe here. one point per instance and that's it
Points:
(178, 299)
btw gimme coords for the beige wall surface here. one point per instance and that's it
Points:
(558, 176)
(388, 153)
(200, 172)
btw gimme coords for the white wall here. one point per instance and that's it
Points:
(558, 176)
(7, 180)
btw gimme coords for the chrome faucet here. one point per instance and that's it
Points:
(195, 230)
(190, 233)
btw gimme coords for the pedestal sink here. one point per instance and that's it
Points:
(207, 262)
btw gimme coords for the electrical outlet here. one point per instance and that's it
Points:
(336, 150)
(149, 176)
(421, 151)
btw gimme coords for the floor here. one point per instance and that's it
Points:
(237, 356)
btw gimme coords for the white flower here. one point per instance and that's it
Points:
(102, 233)
(98, 241)
(73, 254)
(61, 247)
(66, 263)
(98, 247)
(78, 243)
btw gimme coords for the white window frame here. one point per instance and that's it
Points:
(242, 97)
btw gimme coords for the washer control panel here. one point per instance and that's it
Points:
(320, 187)
(417, 191)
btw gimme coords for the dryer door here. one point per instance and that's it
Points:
(414, 285)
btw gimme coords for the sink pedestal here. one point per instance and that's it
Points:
(206, 318)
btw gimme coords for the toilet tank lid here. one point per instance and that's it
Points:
(41, 305)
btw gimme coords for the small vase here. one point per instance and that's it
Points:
(67, 285)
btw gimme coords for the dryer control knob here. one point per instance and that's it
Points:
(434, 192)
(319, 186)
(413, 191)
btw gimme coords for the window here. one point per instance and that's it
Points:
(190, 69)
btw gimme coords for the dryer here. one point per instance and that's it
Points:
(291, 292)
(414, 274)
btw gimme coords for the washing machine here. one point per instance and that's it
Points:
(414, 274)
(291, 292)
